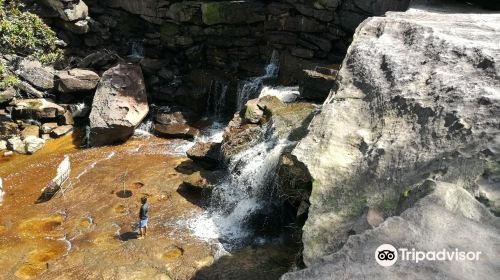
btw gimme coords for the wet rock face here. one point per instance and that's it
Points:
(178, 130)
(206, 154)
(437, 222)
(120, 104)
(416, 101)
(317, 84)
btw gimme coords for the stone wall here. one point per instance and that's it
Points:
(234, 37)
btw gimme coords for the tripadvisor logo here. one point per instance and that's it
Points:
(387, 255)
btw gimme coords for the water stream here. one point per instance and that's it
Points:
(216, 103)
(91, 221)
(250, 88)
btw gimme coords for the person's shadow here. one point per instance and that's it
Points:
(126, 236)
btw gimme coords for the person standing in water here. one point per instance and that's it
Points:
(143, 218)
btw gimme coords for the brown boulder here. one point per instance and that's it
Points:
(120, 104)
(61, 130)
(183, 131)
(206, 154)
(35, 109)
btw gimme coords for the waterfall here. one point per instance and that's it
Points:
(146, 128)
(79, 109)
(244, 196)
(251, 87)
(217, 99)
(136, 48)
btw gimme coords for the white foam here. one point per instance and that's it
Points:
(285, 94)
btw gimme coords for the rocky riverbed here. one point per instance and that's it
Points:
(274, 139)
(88, 231)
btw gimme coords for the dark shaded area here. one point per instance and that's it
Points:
(47, 195)
(124, 193)
(194, 195)
(487, 4)
(126, 236)
(265, 262)
(187, 167)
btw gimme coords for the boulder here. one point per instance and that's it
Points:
(69, 10)
(3, 145)
(30, 130)
(206, 154)
(34, 73)
(183, 131)
(8, 128)
(173, 115)
(120, 104)
(97, 60)
(418, 99)
(290, 120)
(7, 94)
(33, 144)
(35, 109)
(66, 118)
(61, 131)
(316, 85)
(16, 144)
(77, 27)
(448, 218)
(294, 180)
(48, 127)
(76, 80)
(239, 138)
(29, 90)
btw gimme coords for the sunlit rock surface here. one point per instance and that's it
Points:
(418, 99)
(449, 218)
(120, 104)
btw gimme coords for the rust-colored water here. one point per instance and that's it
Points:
(87, 232)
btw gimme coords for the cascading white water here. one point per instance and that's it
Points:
(243, 193)
(79, 109)
(136, 48)
(212, 133)
(251, 87)
(285, 94)
(145, 129)
(217, 99)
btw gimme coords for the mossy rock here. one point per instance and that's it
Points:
(211, 13)
(168, 29)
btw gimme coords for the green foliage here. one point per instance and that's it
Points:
(6, 80)
(24, 33)
(390, 205)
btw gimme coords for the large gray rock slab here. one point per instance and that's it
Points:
(418, 99)
(448, 218)
(34, 73)
(69, 10)
(120, 104)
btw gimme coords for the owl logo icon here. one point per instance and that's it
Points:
(386, 255)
